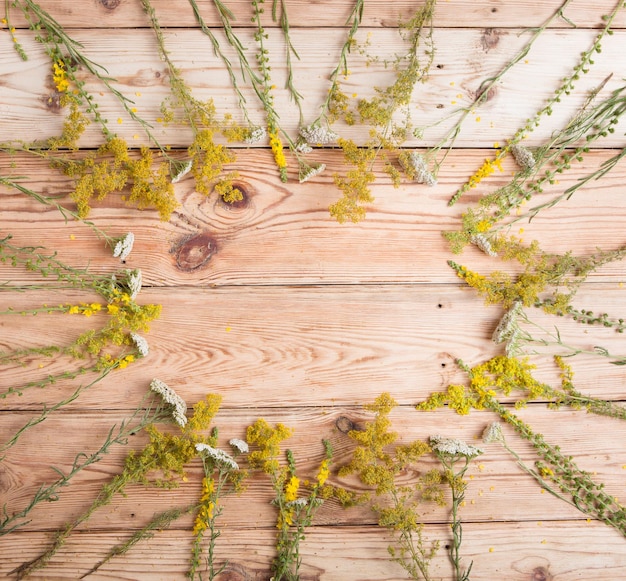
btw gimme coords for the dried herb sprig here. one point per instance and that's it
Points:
(161, 463)
(222, 476)
(118, 435)
(159, 522)
(565, 88)
(455, 457)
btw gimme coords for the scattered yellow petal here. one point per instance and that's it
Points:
(354, 95)
(452, 83)
(491, 549)
(138, 94)
(72, 237)
(135, 136)
(526, 61)
(134, 109)
(492, 488)
(473, 501)
(543, 541)
(521, 230)
(120, 120)
(588, 520)
(477, 119)
(543, 491)
(471, 477)
(228, 329)
(453, 102)
(481, 467)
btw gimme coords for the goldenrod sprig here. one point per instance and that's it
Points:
(222, 476)
(378, 467)
(161, 463)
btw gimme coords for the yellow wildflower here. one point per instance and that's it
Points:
(279, 155)
(59, 76)
(323, 473)
(291, 489)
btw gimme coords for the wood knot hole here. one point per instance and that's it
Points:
(110, 4)
(345, 424)
(195, 251)
(489, 39)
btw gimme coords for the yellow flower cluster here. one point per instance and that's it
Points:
(86, 309)
(59, 76)
(500, 374)
(279, 155)
(208, 159)
(268, 440)
(207, 506)
(485, 170)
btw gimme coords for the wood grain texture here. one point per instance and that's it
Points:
(283, 233)
(462, 63)
(291, 317)
(331, 13)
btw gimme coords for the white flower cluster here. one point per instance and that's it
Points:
(482, 242)
(219, 456)
(508, 330)
(142, 345)
(134, 281)
(415, 165)
(307, 172)
(181, 170)
(240, 445)
(303, 147)
(298, 503)
(523, 156)
(452, 447)
(124, 246)
(171, 397)
(256, 134)
(493, 433)
(315, 134)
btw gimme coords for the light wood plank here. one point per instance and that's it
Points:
(498, 490)
(284, 234)
(306, 346)
(28, 100)
(332, 13)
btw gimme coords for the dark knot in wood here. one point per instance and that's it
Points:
(345, 424)
(489, 39)
(540, 574)
(110, 4)
(193, 252)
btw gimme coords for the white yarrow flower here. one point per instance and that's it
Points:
(240, 445)
(416, 167)
(181, 170)
(171, 397)
(483, 243)
(135, 281)
(299, 502)
(308, 172)
(142, 345)
(508, 324)
(315, 134)
(493, 433)
(303, 147)
(219, 456)
(523, 156)
(256, 134)
(452, 447)
(124, 246)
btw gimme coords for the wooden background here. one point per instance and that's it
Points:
(294, 318)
